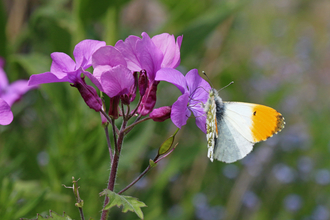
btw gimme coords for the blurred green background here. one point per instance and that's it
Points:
(276, 52)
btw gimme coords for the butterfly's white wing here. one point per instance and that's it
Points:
(230, 145)
(242, 125)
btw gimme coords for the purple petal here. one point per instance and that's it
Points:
(16, 90)
(6, 115)
(117, 81)
(198, 87)
(99, 70)
(200, 118)
(180, 112)
(84, 50)
(128, 49)
(62, 63)
(172, 76)
(108, 55)
(94, 80)
(171, 50)
(3, 80)
(177, 55)
(149, 55)
(46, 77)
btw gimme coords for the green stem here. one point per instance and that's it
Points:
(114, 165)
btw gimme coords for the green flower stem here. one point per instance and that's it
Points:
(134, 181)
(129, 128)
(114, 164)
(156, 160)
(109, 142)
(109, 120)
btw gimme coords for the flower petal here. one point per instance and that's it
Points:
(200, 118)
(46, 77)
(3, 80)
(62, 63)
(128, 49)
(6, 115)
(172, 76)
(15, 91)
(150, 57)
(84, 50)
(117, 81)
(171, 49)
(180, 112)
(198, 87)
(94, 80)
(108, 55)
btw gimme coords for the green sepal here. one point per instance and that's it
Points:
(167, 145)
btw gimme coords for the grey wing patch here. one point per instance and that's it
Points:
(230, 145)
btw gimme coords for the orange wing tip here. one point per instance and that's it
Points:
(266, 122)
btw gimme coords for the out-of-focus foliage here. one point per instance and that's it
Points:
(276, 52)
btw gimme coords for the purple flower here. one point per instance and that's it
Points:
(9, 94)
(150, 55)
(110, 69)
(64, 69)
(194, 91)
(6, 115)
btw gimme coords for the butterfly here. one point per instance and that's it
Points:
(232, 128)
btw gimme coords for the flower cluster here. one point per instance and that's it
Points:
(135, 64)
(9, 94)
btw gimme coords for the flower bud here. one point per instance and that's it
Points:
(148, 100)
(132, 91)
(89, 94)
(161, 114)
(128, 98)
(143, 82)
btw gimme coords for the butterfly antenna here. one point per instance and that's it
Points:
(208, 79)
(226, 86)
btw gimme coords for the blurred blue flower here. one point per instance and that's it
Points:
(292, 202)
(230, 171)
(284, 173)
(321, 213)
(322, 177)
(250, 200)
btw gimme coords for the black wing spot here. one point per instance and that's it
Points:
(254, 113)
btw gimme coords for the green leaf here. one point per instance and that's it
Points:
(129, 203)
(166, 146)
(52, 216)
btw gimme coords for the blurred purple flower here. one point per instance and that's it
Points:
(64, 69)
(6, 115)
(194, 91)
(9, 94)
(150, 55)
